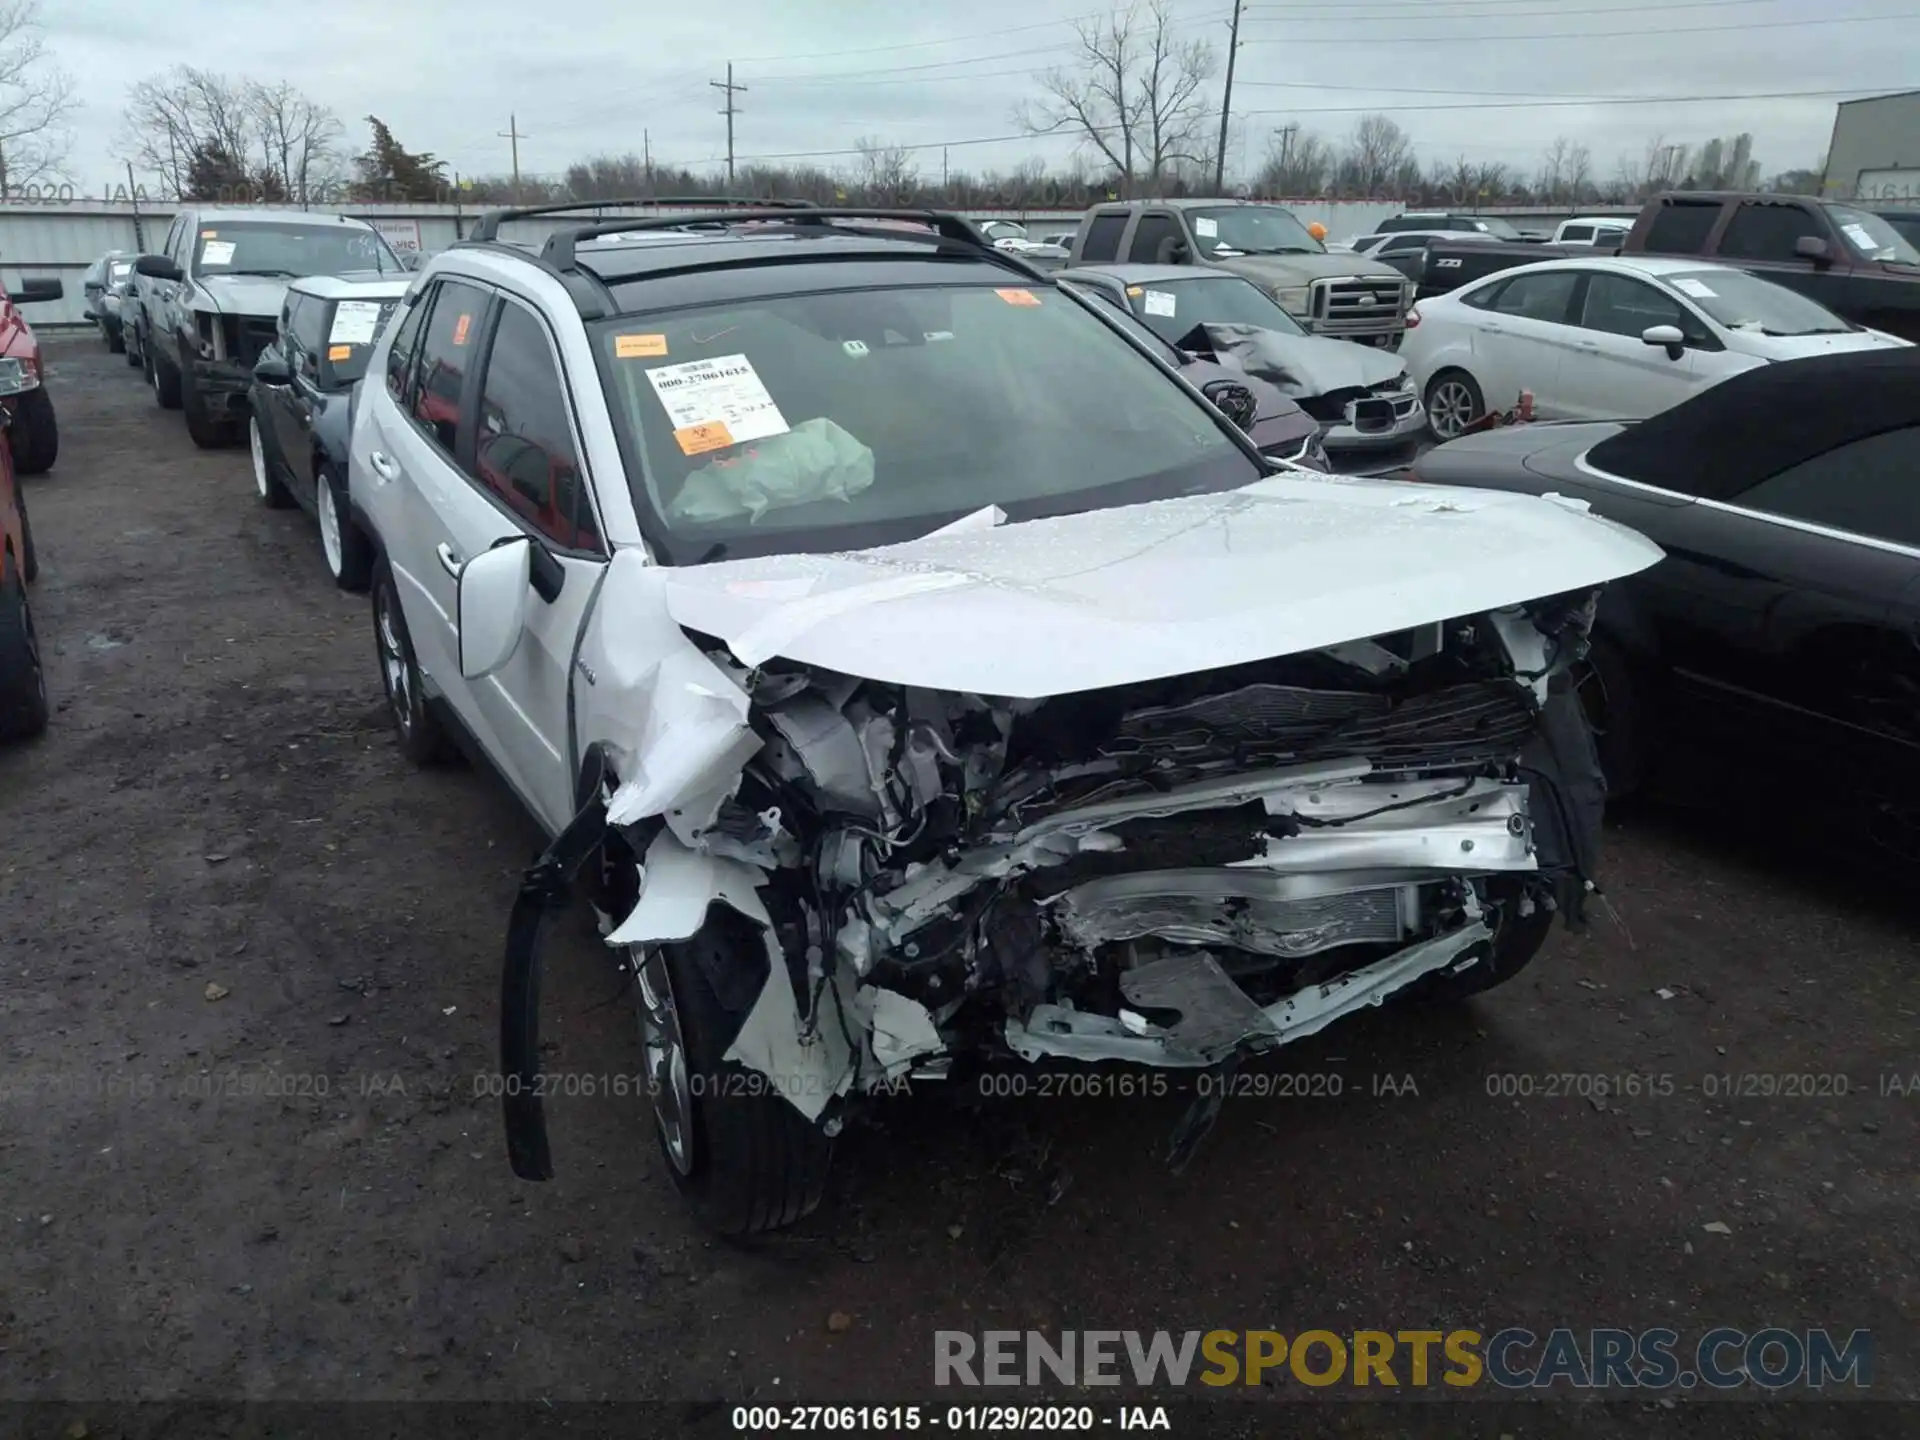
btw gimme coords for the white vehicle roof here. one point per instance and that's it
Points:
(1625, 222)
(1653, 266)
(370, 286)
(241, 215)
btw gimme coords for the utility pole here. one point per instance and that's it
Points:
(1226, 103)
(1286, 133)
(943, 170)
(512, 133)
(173, 160)
(646, 147)
(133, 197)
(730, 89)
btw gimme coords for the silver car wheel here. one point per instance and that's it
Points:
(259, 453)
(665, 1048)
(393, 664)
(329, 524)
(1450, 408)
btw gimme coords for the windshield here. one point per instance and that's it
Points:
(257, 247)
(1251, 230)
(351, 331)
(1171, 308)
(858, 417)
(1741, 301)
(1873, 237)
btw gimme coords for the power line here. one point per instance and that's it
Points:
(1642, 34)
(1374, 109)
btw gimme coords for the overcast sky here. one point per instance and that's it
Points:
(589, 76)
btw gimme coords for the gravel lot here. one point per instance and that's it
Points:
(292, 1191)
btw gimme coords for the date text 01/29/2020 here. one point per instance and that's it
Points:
(995, 1419)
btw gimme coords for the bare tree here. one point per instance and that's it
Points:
(1490, 182)
(1458, 179)
(1375, 154)
(36, 99)
(298, 139)
(172, 117)
(1579, 174)
(1298, 164)
(1133, 94)
(1552, 182)
(885, 172)
(1664, 165)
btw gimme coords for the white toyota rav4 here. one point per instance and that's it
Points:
(935, 680)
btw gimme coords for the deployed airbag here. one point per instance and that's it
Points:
(815, 460)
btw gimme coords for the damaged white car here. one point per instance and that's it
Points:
(922, 677)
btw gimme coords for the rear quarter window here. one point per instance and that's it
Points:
(1681, 227)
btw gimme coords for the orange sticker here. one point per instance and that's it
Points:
(339, 352)
(698, 439)
(460, 328)
(1018, 297)
(638, 347)
(209, 234)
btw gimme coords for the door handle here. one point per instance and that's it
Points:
(1588, 344)
(1492, 330)
(449, 560)
(382, 466)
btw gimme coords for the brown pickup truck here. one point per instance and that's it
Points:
(1846, 258)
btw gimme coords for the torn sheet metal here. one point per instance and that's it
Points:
(807, 1067)
(903, 1032)
(1191, 984)
(677, 887)
(675, 721)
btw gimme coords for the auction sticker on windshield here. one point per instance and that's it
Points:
(355, 322)
(1018, 297)
(217, 252)
(1205, 228)
(715, 403)
(1698, 289)
(1860, 236)
(1160, 302)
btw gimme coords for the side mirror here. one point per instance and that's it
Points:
(272, 368)
(1180, 254)
(32, 292)
(1668, 337)
(158, 267)
(491, 606)
(1812, 247)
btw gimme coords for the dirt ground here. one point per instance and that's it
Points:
(298, 1190)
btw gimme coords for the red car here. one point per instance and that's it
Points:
(23, 688)
(34, 437)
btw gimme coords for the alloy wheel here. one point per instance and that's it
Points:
(259, 457)
(393, 665)
(1451, 408)
(665, 1048)
(329, 519)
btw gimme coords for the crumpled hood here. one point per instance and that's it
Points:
(1119, 596)
(1302, 364)
(1268, 271)
(261, 295)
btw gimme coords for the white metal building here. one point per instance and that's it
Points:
(1875, 151)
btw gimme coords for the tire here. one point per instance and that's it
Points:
(116, 340)
(35, 434)
(1614, 701)
(208, 430)
(1453, 402)
(348, 552)
(23, 684)
(30, 558)
(267, 483)
(135, 351)
(743, 1157)
(1517, 939)
(164, 379)
(421, 739)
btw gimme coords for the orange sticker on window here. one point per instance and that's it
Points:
(209, 234)
(339, 352)
(1018, 297)
(460, 328)
(698, 439)
(638, 347)
(1136, 291)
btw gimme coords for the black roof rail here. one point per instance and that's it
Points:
(943, 229)
(590, 295)
(487, 227)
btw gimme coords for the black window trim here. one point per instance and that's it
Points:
(1785, 522)
(470, 404)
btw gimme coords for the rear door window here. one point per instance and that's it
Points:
(1760, 231)
(446, 352)
(1103, 238)
(1681, 227)
(1545, 297)
(1869, 487)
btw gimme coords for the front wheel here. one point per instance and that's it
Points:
(164, 379)
(267, 483)
(23, 684)
(736, 1149)
(35, 435)
(349, 553)
(209, 431)
(419, 733)
(1611, 696)
(1454, 402)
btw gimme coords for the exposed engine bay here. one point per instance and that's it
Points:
(1182, 872)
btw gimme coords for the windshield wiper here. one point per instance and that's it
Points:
(1823, 330)
(289, 274)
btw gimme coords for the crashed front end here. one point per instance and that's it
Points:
(1182, 872)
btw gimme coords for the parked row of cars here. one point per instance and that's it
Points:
(903, 716)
